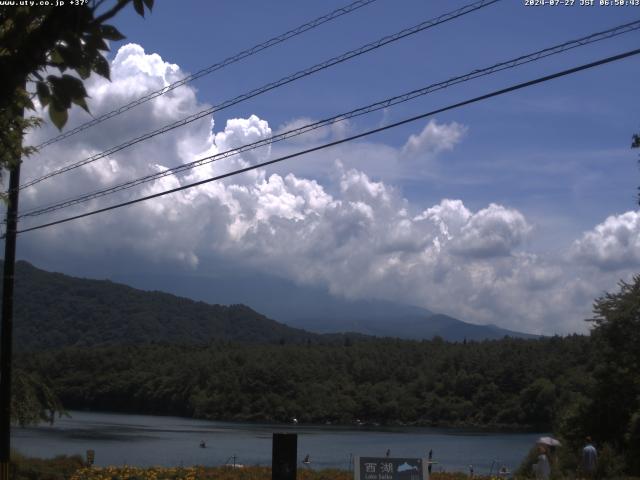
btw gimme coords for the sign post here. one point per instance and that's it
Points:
(385, 468)
(284, 460)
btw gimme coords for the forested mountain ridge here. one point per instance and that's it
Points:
(53, 310)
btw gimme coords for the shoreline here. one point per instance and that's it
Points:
(361, 426)
(147, 440)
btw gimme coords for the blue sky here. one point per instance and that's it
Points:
(516, 191)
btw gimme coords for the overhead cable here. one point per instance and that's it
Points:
(271, 86)
(521, 60)
(495, 93)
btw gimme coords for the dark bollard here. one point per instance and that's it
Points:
(284, 459)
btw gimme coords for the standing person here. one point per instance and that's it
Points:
(589, 460)
(542, 468)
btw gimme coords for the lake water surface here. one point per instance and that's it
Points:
(146, 440)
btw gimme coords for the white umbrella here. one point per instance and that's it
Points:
(552, 442)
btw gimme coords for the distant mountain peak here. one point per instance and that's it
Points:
(315, 309)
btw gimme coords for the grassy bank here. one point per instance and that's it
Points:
(226, 473)
(59, 468)
(221, 473)
(72, 468)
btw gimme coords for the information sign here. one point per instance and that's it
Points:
(385, 468)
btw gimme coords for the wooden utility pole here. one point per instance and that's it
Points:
(6, 325)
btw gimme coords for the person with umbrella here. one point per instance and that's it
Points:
(546, 457)
(551, 445)
(542, 468)
(589, 460)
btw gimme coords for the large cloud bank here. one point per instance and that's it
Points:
(352, 233)
(612, 245)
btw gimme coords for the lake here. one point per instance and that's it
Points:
(146, 440)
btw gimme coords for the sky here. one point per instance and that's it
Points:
(517, 211)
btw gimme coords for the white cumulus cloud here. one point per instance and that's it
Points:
(611, 245)
(434, 138)
(352, 232)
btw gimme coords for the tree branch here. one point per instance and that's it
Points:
(111, 13)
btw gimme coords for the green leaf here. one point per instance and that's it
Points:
(73, 86)
(149, 4)
(111, 33)
(56, 57)
(61, 96)
(58, 117)
(44, 94)
(71, 57)
(81, 102)
(139, 6)
(99, 44)
(84, 71)
(101, 66)
(73, 42)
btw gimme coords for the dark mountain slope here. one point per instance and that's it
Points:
(53, 310)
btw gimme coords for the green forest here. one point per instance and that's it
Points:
(508, 383)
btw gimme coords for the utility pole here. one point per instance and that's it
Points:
(6, 325)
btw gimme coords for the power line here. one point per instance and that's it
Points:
(212, 68)
(521, 60)
(495, 93)
(270, 86)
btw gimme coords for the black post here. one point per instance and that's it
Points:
(284, 459)
(6, 327)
